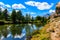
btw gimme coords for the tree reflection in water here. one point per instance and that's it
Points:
(38, 25)
(3, 30)
(16, 30)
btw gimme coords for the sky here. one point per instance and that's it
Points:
(32, 7)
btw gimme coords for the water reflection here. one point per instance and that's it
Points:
(38, 26)
(16, 31)
(3, 30)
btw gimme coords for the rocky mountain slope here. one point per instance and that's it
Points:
(51, 31)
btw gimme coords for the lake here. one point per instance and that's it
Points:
(17, 31)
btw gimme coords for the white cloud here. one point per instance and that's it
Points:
(1, 4)
(33, 13)
(40, 5)
(17, 10)
(14, 6)
(18, 6)
(32, 3)
(8, 6)
(2, 8)
(43, 6)
(51, 11)
(4, 5)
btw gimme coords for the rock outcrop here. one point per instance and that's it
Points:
(54, 29)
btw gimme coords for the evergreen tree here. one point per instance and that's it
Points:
(19, 15)
(5, 14)
(38, 18)
(13, 16)
(0, 13)
(32, 19)
(27, 18)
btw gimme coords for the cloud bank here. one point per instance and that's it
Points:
(39, 5)
(14, 6)
(18, 6)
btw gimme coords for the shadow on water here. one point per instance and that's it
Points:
(16, 31)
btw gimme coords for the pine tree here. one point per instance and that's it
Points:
(19, 16)
(5, 14)
(13, 16)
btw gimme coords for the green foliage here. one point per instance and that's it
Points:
(27, 18)
(41, 20)
(41, 34)
(38, 18)
(32, 19)
(0, 14)
(5, 14)
(3, 30)
(16, 30)
(11, 28)
(19, 15)
(13, 16)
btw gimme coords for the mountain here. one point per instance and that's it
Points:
(51, 31)
(47, 15)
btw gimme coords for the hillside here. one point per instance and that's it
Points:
(50, 31)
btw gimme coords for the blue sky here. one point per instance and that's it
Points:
(33, 7)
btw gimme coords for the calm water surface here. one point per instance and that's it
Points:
(17, 31)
